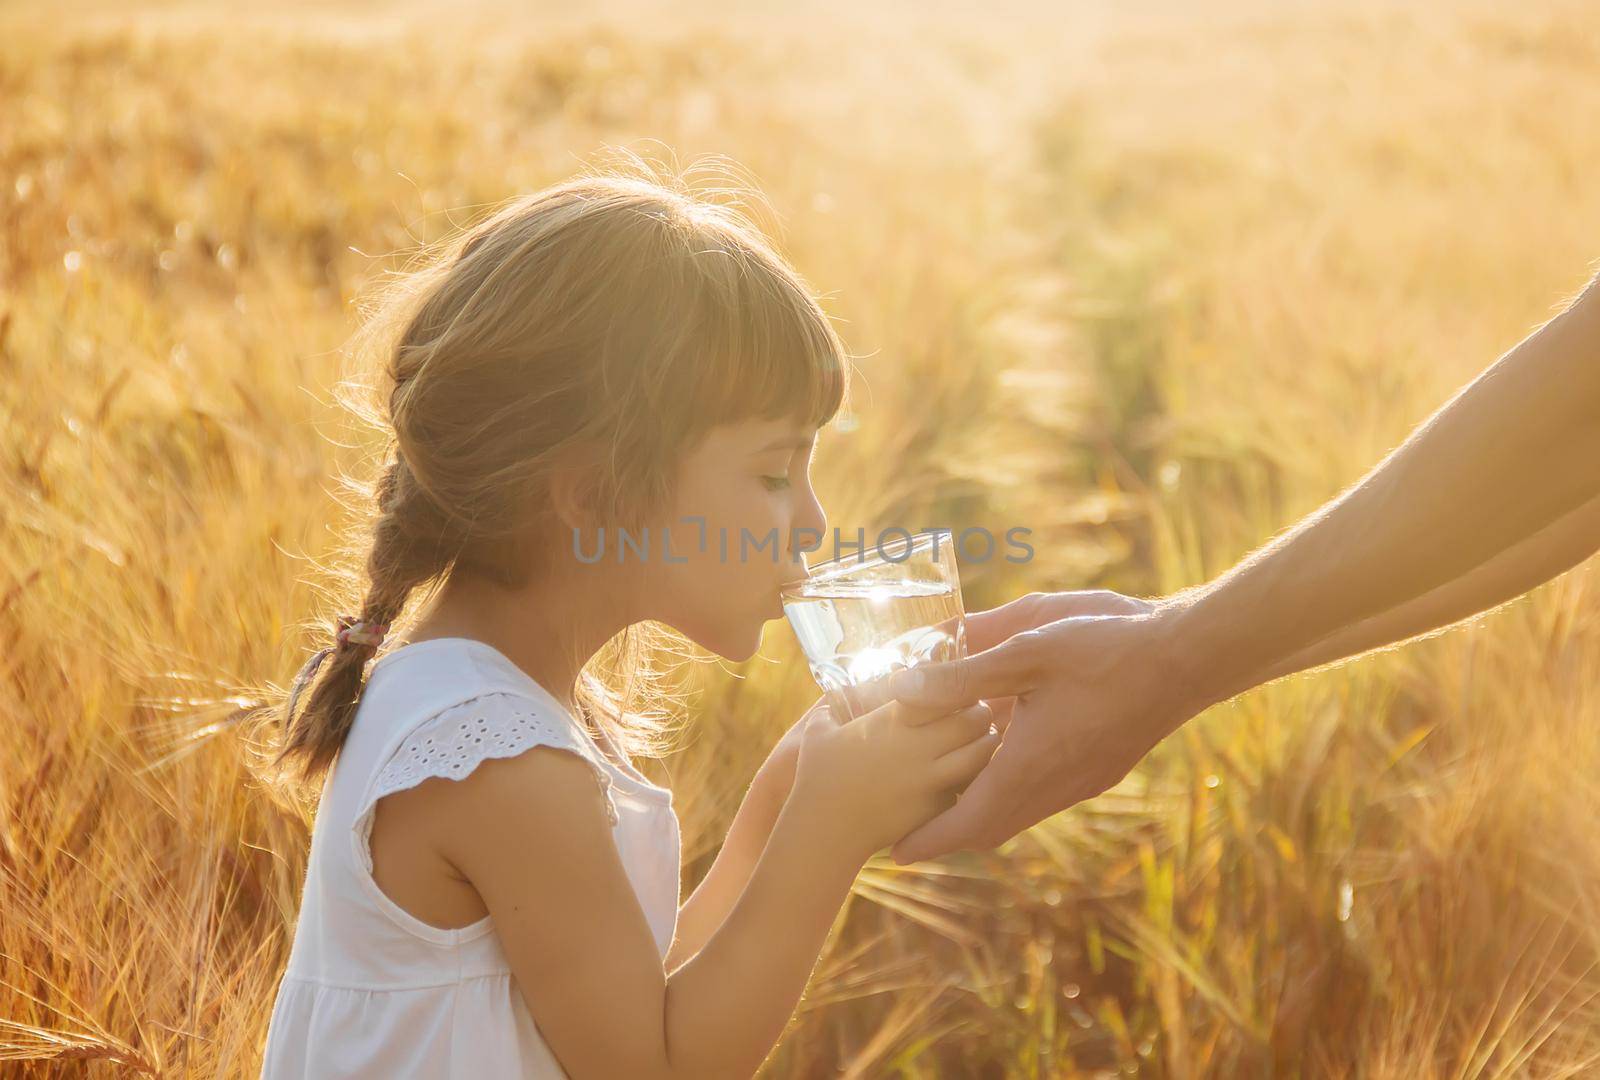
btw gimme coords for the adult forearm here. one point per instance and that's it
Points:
(1513, 451)
(727, 1007)
(1549, 553)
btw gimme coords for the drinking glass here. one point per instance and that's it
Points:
(890, 606)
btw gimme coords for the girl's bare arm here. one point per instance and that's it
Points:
(531, 836)
(708, 906)
(572, 927)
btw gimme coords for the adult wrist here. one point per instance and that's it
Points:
(1193, 658)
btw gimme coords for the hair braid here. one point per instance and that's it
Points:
(410, 547)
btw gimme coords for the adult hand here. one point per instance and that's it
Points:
(986, 629)
(1092, 694)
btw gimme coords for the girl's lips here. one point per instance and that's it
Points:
(777, 595)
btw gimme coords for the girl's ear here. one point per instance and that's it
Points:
(576, 490)
(572, 493)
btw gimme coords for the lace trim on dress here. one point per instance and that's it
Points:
(462, 737)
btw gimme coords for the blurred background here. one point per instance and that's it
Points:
(1152, 279)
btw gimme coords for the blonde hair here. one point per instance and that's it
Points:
(621, 314)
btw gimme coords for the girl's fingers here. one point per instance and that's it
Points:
(959, 766)
(838, 704)
(959, 728)
(826, 715)
(1003, 709)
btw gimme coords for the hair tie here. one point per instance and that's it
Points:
(353, 631)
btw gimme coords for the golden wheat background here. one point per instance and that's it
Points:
(1153, 280)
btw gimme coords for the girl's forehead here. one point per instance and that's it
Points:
(780, 434)
(757, 435)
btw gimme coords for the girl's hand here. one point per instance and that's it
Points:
(775, 778)
(869, 781)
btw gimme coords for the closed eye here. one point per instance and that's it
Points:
(775, 483)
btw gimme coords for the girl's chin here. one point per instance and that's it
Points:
(740, 644)
(732, 639)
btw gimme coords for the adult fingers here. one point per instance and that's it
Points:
(987, 801)
(986, 629)
(893, 712)
(1003, 671)
(860, 699)
(1067, 605)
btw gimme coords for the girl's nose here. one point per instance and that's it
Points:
(811, 515)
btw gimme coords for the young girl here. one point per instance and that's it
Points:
(493, 888)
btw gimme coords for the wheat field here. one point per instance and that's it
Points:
(1149, 280)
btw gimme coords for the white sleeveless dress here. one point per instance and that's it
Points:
(370, 990)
